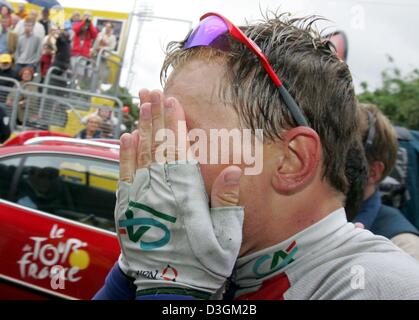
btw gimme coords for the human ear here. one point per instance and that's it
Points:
(298, 160)
(375, 172)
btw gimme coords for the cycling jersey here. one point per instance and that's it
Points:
(331, 259)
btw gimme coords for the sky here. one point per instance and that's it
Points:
(375, 29)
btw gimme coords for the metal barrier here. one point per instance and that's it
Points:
(91, 74)
(9, 96)
(53, 113)
(57, 75)
(40, 106)
(107, 62)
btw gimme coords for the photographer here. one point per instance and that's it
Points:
(85, 34)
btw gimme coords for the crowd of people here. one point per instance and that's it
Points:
(38, 43)
(30, 44)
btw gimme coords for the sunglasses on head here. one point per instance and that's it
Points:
(215, 31)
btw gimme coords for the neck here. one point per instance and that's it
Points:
(287, 216)
(253, 272)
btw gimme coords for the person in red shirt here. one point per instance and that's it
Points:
(46, 59)
(85, 34)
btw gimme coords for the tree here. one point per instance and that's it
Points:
(398, 98)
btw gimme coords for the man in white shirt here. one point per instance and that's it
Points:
(38, 29)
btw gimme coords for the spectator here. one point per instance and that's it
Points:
(75, 18)
(45, 20)
(51, 38)
(49, 50)
(92, 128)
(22, 13)
(14, 21)
(4, 125)
(8, 38)
(29, 48)
(5, 13)
(62, 57)
(43, 189)
(6, 70)
(63, 45)
(84, 35)
(46, 58)
(26, 74)
(109, 122)
(105, 40)
(38, 29)
(380, 143)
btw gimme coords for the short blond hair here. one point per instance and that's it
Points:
(384, 145)
(94, 117)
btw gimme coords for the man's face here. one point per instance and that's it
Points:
(28, 28)
(196, 85)
(108, 28)
(76, 17)
(93, 125)
(33, 15)
(27, 76)
(5, 65)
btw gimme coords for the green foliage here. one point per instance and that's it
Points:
(398, 98)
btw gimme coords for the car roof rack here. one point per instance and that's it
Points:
(91, 143)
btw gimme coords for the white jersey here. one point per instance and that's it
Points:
(329, 260)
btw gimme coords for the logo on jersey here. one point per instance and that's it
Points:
(144, 225)
(278, 260)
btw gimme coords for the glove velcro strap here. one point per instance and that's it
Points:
(202, 295)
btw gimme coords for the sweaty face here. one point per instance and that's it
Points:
(196, 85)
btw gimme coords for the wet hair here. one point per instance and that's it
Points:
(356, 170)
(307, 63)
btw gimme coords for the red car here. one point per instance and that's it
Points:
(57, 231)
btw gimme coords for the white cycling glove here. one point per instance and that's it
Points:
(171, 241)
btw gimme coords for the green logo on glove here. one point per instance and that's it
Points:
(145, 225)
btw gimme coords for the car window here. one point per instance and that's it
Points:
(8, 167)
(81, 189)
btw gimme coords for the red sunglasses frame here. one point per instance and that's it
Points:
(236, 33)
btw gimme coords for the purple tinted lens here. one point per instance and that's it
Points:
(211, 31)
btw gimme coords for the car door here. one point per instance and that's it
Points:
(56, 225)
